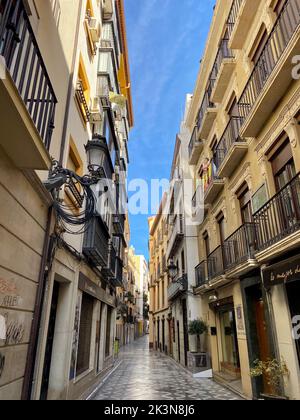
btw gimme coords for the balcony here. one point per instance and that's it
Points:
(222, 71)
(207, 115)
(81, 100)
(195, 148)
(215, 264)
(178, 288)
(177, 235)
(240, 20)
(96, 243)
(119, 224)
(117, 279)
(240, 248)
(201, 274)
(231, 149)
(273, 73)
(212, 184)
(27, 98)
(279, 219)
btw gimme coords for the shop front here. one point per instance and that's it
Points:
(282, 283)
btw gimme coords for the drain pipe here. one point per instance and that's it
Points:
(36, 321)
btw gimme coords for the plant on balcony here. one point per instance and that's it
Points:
(274, 372)
(197, 328)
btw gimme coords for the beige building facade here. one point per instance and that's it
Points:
(245, 151)
(66, 83)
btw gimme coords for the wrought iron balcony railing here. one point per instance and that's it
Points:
(233, 15)
(176, 235)
(82, 101)
(230, 136)
(25, 64)
(201, 274)
(96, 243)
(279, 217)
(215, 263)
(205, 105)
(279, 38)
(178, 287)
(223, 52)
(240, 246)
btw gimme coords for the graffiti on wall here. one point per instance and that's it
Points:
(8, 294)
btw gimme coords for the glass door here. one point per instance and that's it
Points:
(230, 352)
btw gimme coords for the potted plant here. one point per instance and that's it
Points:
(196, 329)
(274, 372)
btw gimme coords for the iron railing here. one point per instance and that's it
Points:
(240, 246)
(96, 243)
(280, 216)
(205, 105)
(223, 52)
(201, 274)
(230, 136)
(25, 64)
(209, 176)
(178, 287)
(215, 263)
(82, 100)
(233, 15)
(285, 26)
(193, 141)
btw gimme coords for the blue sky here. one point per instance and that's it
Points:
(166, 40)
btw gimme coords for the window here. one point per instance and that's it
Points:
(108, 332)
(85, 331)
(206, 243)
(73, 190)
(163, 293)
(279, 6)
(283, 165)
(244, 197)
(183, 262)
(221, 224)
(259, 45)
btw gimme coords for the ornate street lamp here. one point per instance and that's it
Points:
(173, 270)
(97, 153)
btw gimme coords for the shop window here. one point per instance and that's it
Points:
(83, 94)
(85, 332)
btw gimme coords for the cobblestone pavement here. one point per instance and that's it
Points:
(147, 375)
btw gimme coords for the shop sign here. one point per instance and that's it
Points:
(284, 272)
(88, 286)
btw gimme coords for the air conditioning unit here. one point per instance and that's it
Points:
(107, 9)
(95, 29)
(96, 111)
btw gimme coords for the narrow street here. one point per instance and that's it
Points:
(147, 375)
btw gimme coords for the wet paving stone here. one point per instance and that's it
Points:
(147, 375)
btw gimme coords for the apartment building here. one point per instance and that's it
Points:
(245, 152)
(182, 249)
(58, 285)
(160, 328)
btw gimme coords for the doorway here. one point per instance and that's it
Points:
(230, 352)
(293, 293)
(49, 343)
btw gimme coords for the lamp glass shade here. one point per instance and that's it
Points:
(172, 268)
(96, 154)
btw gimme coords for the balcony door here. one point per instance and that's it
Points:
(288, 202)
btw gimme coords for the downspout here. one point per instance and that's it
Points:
(43, 274)
(36, 321)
